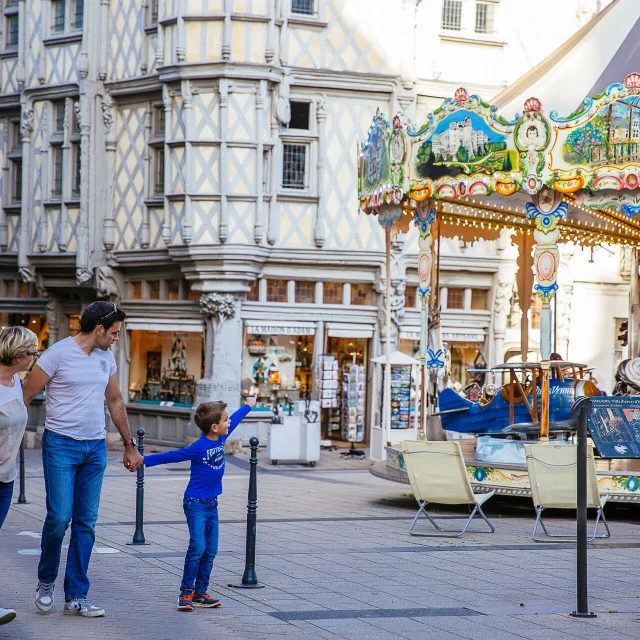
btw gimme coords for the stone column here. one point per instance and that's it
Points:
(24, 238)
(223, 351)
(84, 272)
(321, 117)
(187, 106)
(110, 143)
(258, 225)
(168, 127)
(223, 230)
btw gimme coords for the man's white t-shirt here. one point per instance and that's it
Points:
(75, 393)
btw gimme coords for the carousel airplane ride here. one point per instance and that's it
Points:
(470, 172)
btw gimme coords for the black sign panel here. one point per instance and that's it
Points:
(615, 426)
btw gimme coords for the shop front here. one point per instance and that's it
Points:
(286, 363)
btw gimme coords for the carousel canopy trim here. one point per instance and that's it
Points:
(466, 149)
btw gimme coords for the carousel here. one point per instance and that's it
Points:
(471, 171)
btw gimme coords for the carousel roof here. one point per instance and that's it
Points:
(600, 54)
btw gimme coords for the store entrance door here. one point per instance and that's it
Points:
(344, 411)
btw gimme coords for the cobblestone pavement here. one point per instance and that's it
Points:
(336, 559)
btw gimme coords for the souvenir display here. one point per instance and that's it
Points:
(353, 403)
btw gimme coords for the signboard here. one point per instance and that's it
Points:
(615, 426)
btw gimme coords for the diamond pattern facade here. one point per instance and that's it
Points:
(127, 22)
(129, 179)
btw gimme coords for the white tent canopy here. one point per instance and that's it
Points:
(397, 359)
(604, 51)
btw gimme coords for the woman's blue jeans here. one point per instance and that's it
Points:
(202, 518)
(73, 471)
(6, 492)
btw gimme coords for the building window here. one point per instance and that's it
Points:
(157, 151)
(58, 117)
(455, 298)
(9, 289)
(479, 299)
(277, 290)
(135, 290)
(78, 15)
(452, 15)
(173, 289)
(299, 115)
(164, 367)
(485, 12)
(56, 185)
(153, 289)
(305, 292)
(254, 292)
(153, 12)
(294, 166)
(77, 171)
(15, 157)
(362, 294)
(58, 15)
(67, 15)
(410, 294)
(302, 7)
(332, 293)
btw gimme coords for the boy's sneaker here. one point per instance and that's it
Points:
(82, 607)
(6, 615)
(185, 601)
(205, 600)
(44, 596)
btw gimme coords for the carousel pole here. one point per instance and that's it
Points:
(548, 208)
(387, 367)
(424, 217)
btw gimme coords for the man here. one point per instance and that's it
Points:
(79, 373)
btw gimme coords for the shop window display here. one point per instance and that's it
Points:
(345, 418)
(37, 322)
(164, 367)
(278, 368)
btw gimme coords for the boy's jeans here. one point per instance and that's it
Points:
(202, 518)
(6, 492)
(73, 471)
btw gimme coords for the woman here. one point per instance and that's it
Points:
(18, 346)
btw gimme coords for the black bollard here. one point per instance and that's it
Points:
(582, 407)
(138, 536)
(249, 579)
(22, 498)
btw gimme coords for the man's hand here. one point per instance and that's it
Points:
(251, 400)
(132, 459)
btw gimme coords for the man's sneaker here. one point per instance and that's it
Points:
(185, 601)
(205, 600)
(6, 615)
(44, 596)
(82, 607)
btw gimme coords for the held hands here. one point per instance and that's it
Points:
(132, 459)
(251, 401)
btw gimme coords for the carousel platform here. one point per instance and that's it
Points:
(618, 479)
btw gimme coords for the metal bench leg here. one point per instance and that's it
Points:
(607, 533)
(457, 532)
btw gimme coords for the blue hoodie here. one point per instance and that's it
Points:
(207, 460)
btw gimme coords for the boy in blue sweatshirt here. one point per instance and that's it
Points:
(201, 496)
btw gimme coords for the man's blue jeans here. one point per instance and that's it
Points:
(202, 518)
(73, 471)
(6, 492)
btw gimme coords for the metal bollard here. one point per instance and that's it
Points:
(249, 579)
(22, 498)
(138, 536)
(582, 407)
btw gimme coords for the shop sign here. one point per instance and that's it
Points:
(280, 330)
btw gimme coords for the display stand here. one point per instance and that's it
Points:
(353, 408)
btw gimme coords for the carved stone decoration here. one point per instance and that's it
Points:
(27, 274)
(282, 105)
(219, 307)
(108, 116)
(83, 276)
(626, 262)
(78, 111)
(52, 320)
(26, 123)
(107, 283)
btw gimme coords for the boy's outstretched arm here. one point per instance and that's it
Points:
(238, 416)
(178, 455)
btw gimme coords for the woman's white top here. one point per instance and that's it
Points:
(13, 421)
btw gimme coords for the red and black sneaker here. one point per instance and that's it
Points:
(185, 601)
(205, 600)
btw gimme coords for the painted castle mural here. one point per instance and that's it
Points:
(463, 143)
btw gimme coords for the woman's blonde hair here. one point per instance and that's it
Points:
(15, 343)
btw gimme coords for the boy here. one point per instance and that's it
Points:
(201, 496)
